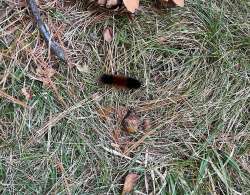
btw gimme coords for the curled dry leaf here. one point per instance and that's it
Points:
(130, 123)
(129, 183)
(131, 5)
(108, 34)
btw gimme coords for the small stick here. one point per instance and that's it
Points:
(55, 48)
(12, 99)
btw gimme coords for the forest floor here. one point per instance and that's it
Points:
(60, 131)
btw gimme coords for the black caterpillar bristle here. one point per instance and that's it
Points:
(120, 81)
(106, 79)
(133, 83)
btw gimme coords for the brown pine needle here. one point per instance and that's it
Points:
(12, 99)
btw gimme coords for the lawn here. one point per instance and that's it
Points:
(60, 131)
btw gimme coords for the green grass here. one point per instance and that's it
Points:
(198, 80)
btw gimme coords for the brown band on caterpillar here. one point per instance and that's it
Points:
(120, 81)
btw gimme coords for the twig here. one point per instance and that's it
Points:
(12, 99)
(55, 48)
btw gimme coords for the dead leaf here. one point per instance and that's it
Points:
(131, 5)
(27, 93)
(129, 183)
(130, 123)
(179, 2)
(170, 3)
(108, 34)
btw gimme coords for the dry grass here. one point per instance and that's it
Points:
(194, 63)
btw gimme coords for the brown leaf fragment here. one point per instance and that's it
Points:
(129, 183)
(27, 93)
(131, 5)
(131, 121)
(108, 34)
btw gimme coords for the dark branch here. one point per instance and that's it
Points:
(55, 48)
